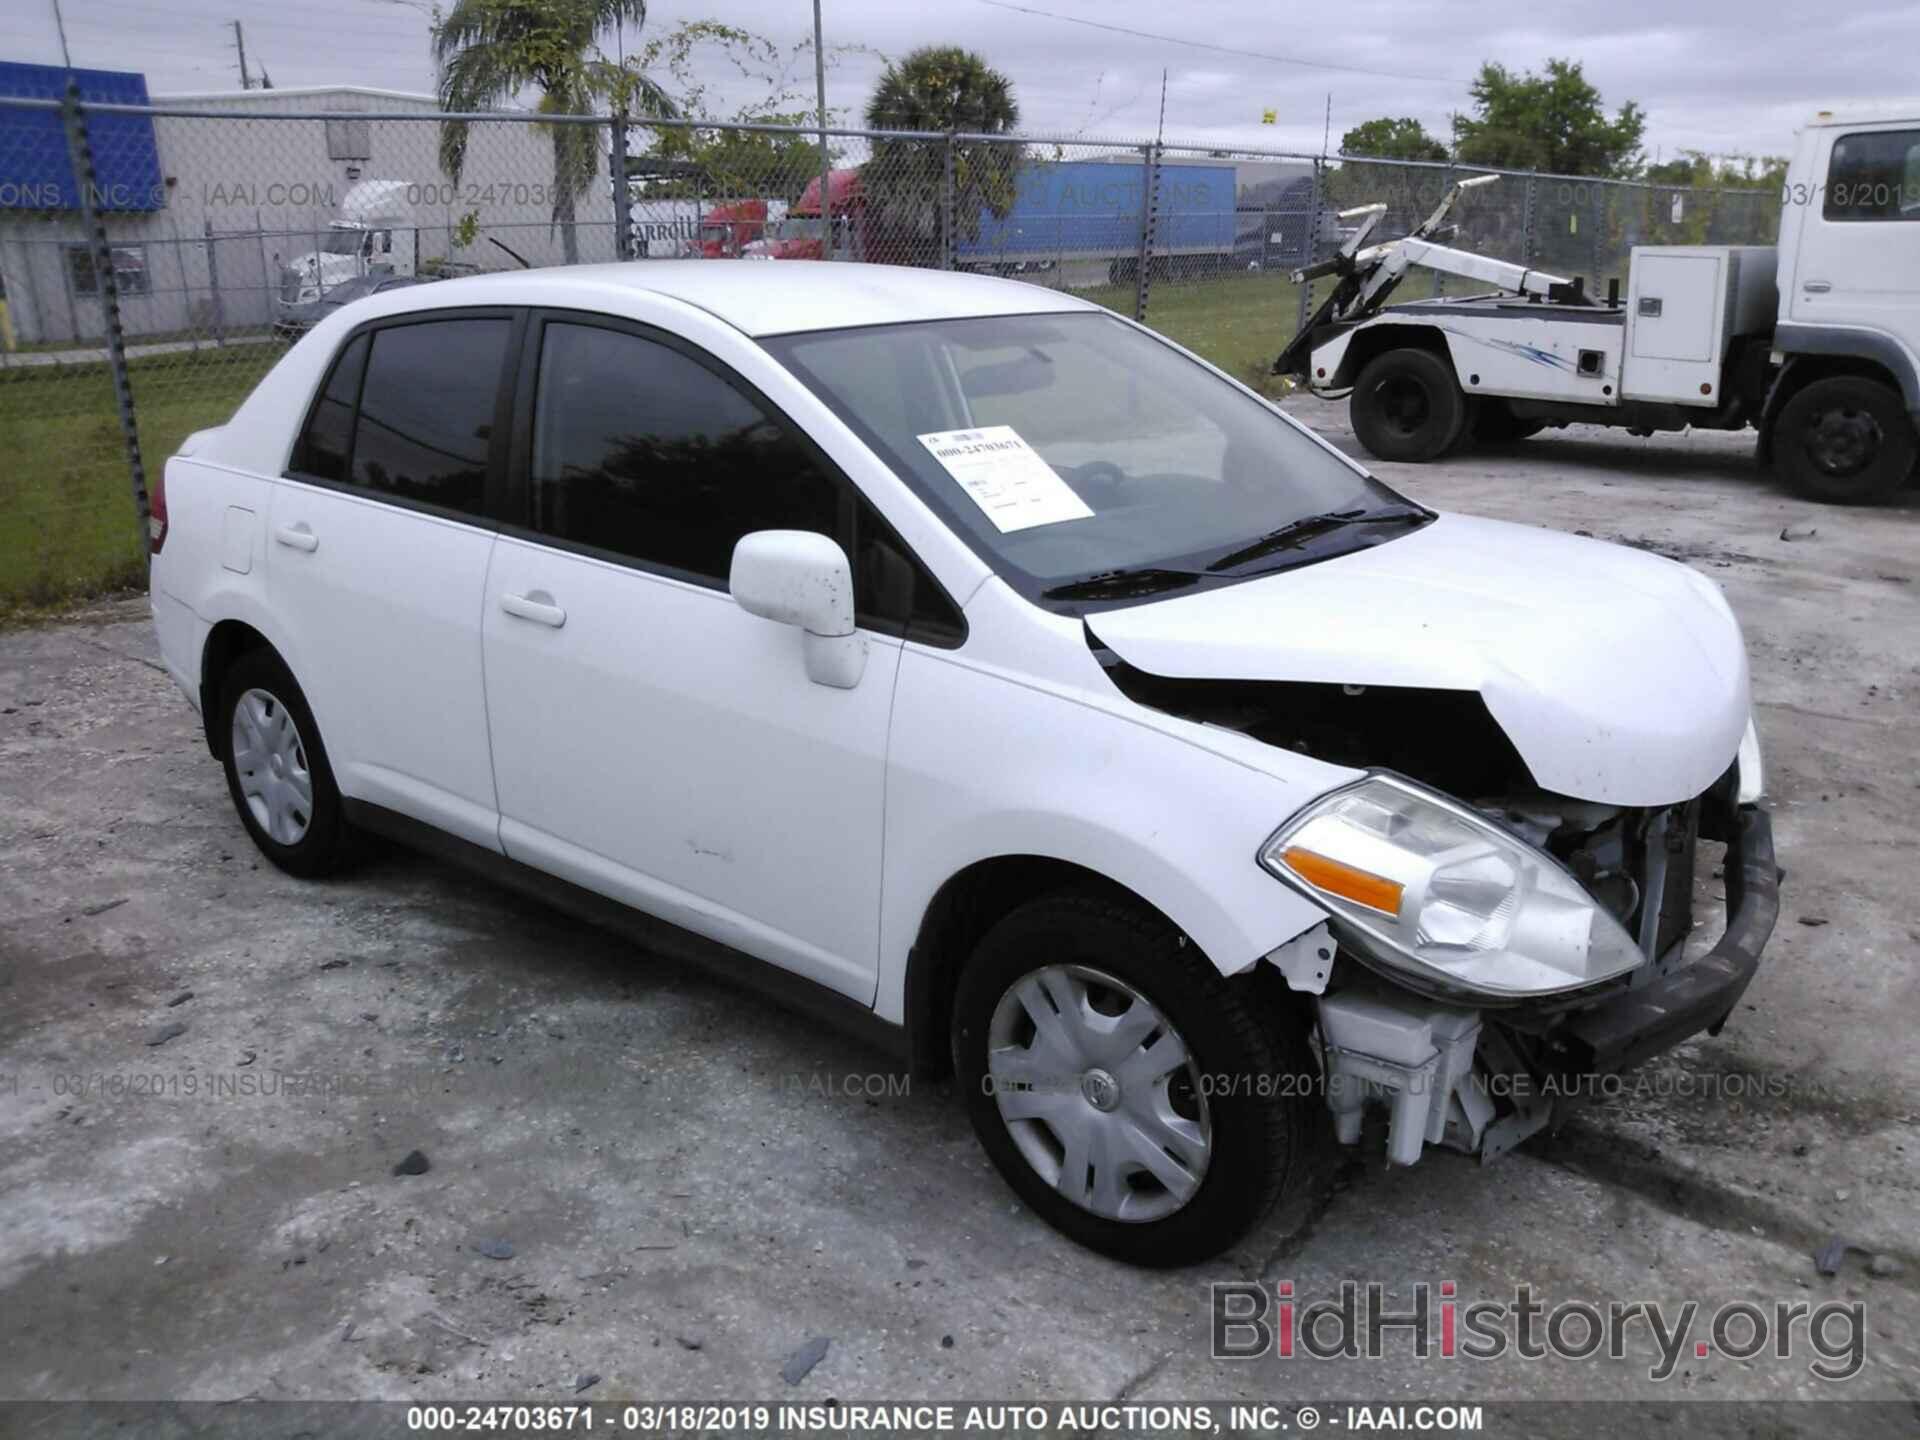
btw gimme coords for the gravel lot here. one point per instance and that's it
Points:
(691, 1184)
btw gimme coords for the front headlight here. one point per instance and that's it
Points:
(1442, 894)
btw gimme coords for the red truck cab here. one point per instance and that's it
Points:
(727, 230)
(798, 237)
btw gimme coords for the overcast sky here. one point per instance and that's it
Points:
(1713, 75)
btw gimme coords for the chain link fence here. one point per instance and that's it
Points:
(144, 302)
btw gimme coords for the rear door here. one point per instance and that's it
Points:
(1859, 251)
(379, 538)
(652, 740)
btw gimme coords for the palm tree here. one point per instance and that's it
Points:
(489, 51)
(940, 88)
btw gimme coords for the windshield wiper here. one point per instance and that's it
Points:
(1121, 584)
(1305, 528)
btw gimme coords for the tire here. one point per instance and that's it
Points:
(1407, 406)
(1227, 1127)
(277, 770)
(1494, 423)
(1845, 440)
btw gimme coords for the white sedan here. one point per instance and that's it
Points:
(1005, 681)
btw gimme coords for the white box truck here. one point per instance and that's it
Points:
(1815, 341)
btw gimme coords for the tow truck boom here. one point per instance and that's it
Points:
(1369, 276)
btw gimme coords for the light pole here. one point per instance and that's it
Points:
(66, 55)
(826, 160)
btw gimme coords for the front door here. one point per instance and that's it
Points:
(651, 740)
(1859, 251)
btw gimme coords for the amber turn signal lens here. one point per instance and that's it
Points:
(1363, 887)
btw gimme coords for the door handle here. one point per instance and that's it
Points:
(537, 607)
(1817, 287)
(297, 537)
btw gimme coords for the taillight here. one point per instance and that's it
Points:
(157, 514)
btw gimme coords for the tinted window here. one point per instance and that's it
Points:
(640, 450)
(891, 590)
(1875, 177)
(426, 411)
(325, 443)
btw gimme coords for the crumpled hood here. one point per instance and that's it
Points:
(1619, 677)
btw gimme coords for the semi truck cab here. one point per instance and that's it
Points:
(375, 233)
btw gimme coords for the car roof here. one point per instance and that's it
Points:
(759, 297)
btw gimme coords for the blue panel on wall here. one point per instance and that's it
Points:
(35, 172)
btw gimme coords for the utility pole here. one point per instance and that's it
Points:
(60, 24)
(240, 44)
(826, 159)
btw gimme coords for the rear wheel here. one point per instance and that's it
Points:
(277, 770)
(1407, 406)
(1140, 1102)
(1845, 440)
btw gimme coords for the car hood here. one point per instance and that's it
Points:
(1619, 677)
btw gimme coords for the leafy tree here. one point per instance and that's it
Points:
(943, 88)
(1700, 170)
(733, 164)
(1698, 199)
(1553, 122)
(489, 51)
(1390, 139)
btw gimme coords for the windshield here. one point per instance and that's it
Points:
(1076, 448)
(344, 242)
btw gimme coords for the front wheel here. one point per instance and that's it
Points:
(1140, 1102)
(1408, 406)
(1845, 440)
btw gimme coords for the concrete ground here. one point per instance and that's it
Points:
(692, 1184)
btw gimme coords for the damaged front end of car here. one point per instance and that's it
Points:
(1492, 951)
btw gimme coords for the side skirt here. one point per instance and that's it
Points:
(786, 989)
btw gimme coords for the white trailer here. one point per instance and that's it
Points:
(1815, 342)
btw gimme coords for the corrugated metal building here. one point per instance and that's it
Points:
(203, 211)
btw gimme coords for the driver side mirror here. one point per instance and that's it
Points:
(795, 577)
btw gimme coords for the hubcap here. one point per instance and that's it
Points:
(1099, 1093)
(271, 761)
(1843, 442)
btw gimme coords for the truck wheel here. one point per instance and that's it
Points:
(1845, 440)
(1494, 423)
(1408, 406)
(1135, 1098)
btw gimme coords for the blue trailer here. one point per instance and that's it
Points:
(1082, 210)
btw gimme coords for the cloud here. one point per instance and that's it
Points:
(1715, 75)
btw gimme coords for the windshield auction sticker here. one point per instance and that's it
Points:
(1006, 477)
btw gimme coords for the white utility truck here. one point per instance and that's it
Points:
(376, 233)
(1815, 341)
